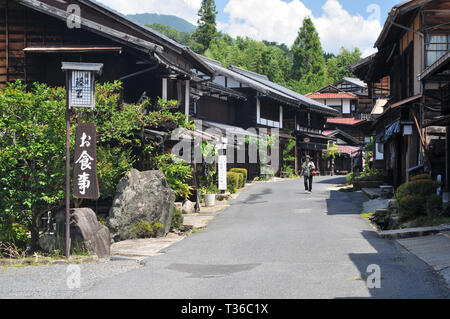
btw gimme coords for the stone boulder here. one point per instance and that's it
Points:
(86, 232)
(188, 207)
(141, 196)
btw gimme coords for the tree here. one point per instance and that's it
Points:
(206, 30)
(181, 37)
(338, 66)
(308, 58)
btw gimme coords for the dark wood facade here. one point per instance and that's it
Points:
(414, 37)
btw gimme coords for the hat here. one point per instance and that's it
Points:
(307, 156)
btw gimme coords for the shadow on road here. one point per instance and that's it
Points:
(401, 274)
(340, 203)
(327, 180)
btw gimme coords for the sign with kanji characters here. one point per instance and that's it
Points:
(85, 161)
(222, 175)
(82, 93)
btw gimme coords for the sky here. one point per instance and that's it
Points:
(340, 23)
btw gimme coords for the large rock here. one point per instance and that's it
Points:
(141, 196)
(86, 232)
(188, 207)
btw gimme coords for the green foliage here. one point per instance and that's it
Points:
(14, 233)
(172, 33)
(178, 173)
(32, 148)
(241, 182)
(241, 171)
(421, 177)
(177, 219)
(332, 151)
(255, 56)
(411, 207)
(206, 30)
(289, 159)
(112, 164)
(143, 229)
(32, 152)
(233, 182)
(338, 66)
(418, 198)
(308, 68)
(351, 177)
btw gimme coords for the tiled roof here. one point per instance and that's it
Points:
(328, 133)
(343, 95)
(350, 150)
(344, 121)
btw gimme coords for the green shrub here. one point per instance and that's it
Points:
(420, 177)
(351, 177)
(242, 171)
(423, 188)
(144, 230)
(177, 219)
(232, 182)
(14, 233)
(434, 205)
(418, 198)
(410, 207)
(241, 182)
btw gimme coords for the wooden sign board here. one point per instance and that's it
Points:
(85, 162)
(82, 89)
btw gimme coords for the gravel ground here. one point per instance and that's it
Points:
(46, 282)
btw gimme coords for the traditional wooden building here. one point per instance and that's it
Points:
(350, 153)
(414, 37)
(436, 84)
(39, 34)
(268, 106)
(346, 103)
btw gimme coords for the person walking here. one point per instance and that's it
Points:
(308, 168)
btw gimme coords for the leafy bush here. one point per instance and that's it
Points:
(423, 188)
(144, 230)
(351, 177)
(14, 233)
(420, 177)
(241, 182)
(411, 207)
(177, 219)
(177, 172)
(233, 181)
(418, 198)
(242, 171)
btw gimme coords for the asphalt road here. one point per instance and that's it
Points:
(277, 242)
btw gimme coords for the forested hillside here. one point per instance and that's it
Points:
(175, 22)
(304, 67)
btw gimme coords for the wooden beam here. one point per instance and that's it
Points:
(7, 42)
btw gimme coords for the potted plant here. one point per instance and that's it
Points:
(208, 187)
(209, 195)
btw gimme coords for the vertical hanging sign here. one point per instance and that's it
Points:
(85, 163)
(80, 92)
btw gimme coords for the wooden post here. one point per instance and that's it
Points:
(187, 100)
(67, 168)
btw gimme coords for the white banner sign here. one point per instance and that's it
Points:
(222, 164)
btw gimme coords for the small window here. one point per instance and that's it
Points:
(435, 47)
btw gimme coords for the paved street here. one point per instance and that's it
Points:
(277, 242)
(274, 242)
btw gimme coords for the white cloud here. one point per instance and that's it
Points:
(276, 20)
(339, 28)
(273, 20)
(186, 9)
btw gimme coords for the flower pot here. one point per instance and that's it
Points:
(210, 199)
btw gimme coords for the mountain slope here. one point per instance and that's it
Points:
(170, 20)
